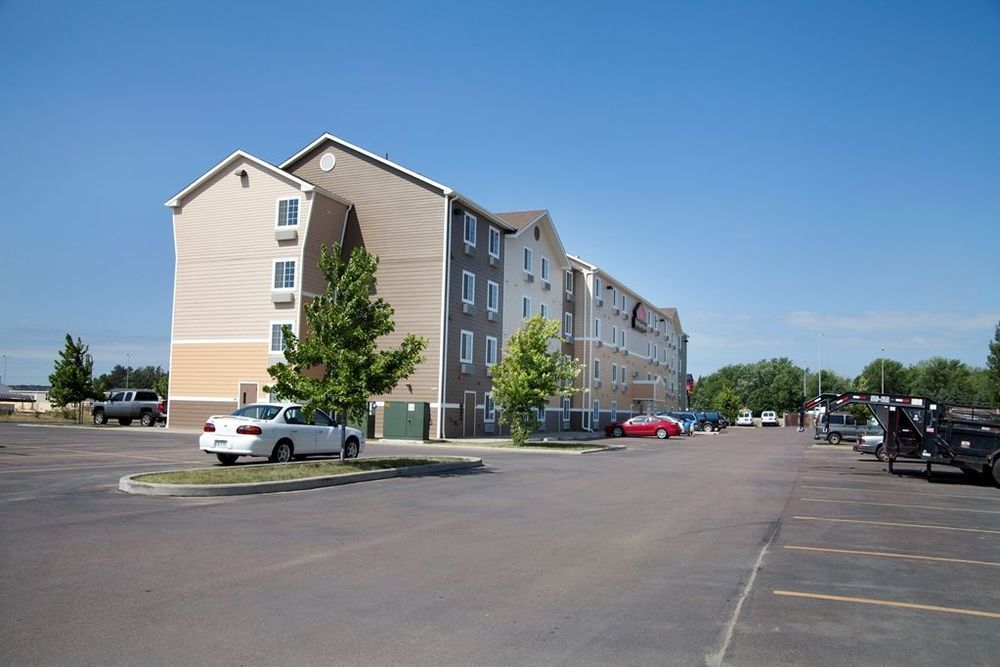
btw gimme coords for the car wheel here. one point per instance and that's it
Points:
(617, 432)
(226, 459)
(708, 427)
(351, 449)
(147, 419)
(996, 472)
(125, 421)
(833, 438)
(282, 452)
(661, 433)
(100, 418)
(880, 453)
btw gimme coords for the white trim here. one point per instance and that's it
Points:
(203, 399)
(544, 269)
(525, 299)
(304, 186)
(446, 406)
(472, 275)
(496, 306)
(466, 217)
(489, 242)
(298, 212)
(488, 396)
(529, 255)
(567, 314)
(270, 339)
(496, 350)
(295, 276)
(443, 326)
(219, 341)
(472, 343)
(255, 383)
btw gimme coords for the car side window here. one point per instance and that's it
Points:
(293, 416)
(320, 419)
(120, 396)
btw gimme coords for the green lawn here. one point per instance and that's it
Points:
(243, 474)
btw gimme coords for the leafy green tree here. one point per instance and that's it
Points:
(529, 373)
(728, 402)
(72, 377)
(944, 380)
(339, 365)
(162, 386)
(993, 371)
(897, 377)
(121, 377)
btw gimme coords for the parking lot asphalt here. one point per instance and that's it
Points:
(746, 548)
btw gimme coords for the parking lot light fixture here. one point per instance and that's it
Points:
(882, 361)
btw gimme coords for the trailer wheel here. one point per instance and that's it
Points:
(880, 454)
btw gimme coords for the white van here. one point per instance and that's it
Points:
(745, 418)
(769, 418)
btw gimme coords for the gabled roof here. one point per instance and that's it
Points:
(525, 220)
(444, 189)
(304, 186)
(587, 266)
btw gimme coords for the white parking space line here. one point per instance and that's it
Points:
(16, 470)
(120, 455)
(905, 493)
(889, 603)
(897, 505)
(896, 524)
(883, 554)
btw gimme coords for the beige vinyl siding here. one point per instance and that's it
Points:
(326, 228)
(225, 251)
(215, 370)
(194, 414)
(402, 221)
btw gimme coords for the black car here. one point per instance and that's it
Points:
(711, 421)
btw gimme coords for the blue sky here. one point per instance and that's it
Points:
(772, 169)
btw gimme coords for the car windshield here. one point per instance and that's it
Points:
(263, 412)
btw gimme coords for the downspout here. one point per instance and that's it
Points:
(588, 325)
(443, 332)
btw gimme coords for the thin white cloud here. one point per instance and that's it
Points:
(887, 322)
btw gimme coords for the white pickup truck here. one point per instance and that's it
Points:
(126, 405)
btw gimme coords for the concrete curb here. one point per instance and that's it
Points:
(129, 484)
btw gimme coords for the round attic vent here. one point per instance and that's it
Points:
(328, 162)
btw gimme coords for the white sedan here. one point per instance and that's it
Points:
(277, 431)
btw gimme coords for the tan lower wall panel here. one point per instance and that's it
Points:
(192, 414)
(215, 370)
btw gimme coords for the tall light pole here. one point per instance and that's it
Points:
(128, 367)
(3, 378)
(819, 359)
(882, 360)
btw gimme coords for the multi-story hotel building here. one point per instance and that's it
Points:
(247, 239)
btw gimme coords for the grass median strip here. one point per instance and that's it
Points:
(248, 474)
(559, 445)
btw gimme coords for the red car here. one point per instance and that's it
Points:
(643, 425)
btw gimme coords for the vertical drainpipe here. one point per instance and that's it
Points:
(588, 325)
(443, 333)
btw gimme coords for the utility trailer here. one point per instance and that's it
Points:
(920, 428)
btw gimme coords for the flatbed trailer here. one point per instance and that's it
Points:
(920, 428)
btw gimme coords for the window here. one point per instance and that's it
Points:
(529, 260)
(569, 282)
(597, 369)
(494, 248)
(567, 324)
(468, 287)
(614, 334)
(595, 412)
(623, 339)
(491, 350)
(624, 373)
(649, 349)
(565, 408)
(490, 408)
(525, 307)
(284, 274)
(470, 229)
(614, 410)
(545, 269)
(543, 310)
(624, 301)
(288, 212)
(492, 296)
(597, 289)
(614, 297)
(614, 373)
(277, 339)
(654, 352)
(597, 328)
(465, 348)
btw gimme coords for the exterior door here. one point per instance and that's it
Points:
(248, 393)
(469, 414)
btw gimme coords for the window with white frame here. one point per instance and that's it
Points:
(655, 352)
(569, 282)
(649, 349)
(494, 248)
(565, 408)
(277, 336)
(529, 260)
(614, 334)
(595, 412)
(624, 373)
(614, 297)
(491, 350)
(614, 410)
(288, 212)
(597, 369)
(624, 301)
(614, 373)
(567, 324)
(465, 347)
(525, 307)
(468, 287)
(492, 296)
(543, 310)
(623, 339)
(284, 274)
(470, 229)
(597, 328)
(597, 287)
(489, 408)
(545, 269)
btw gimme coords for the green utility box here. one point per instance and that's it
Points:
(364, 422)
(406, 420)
